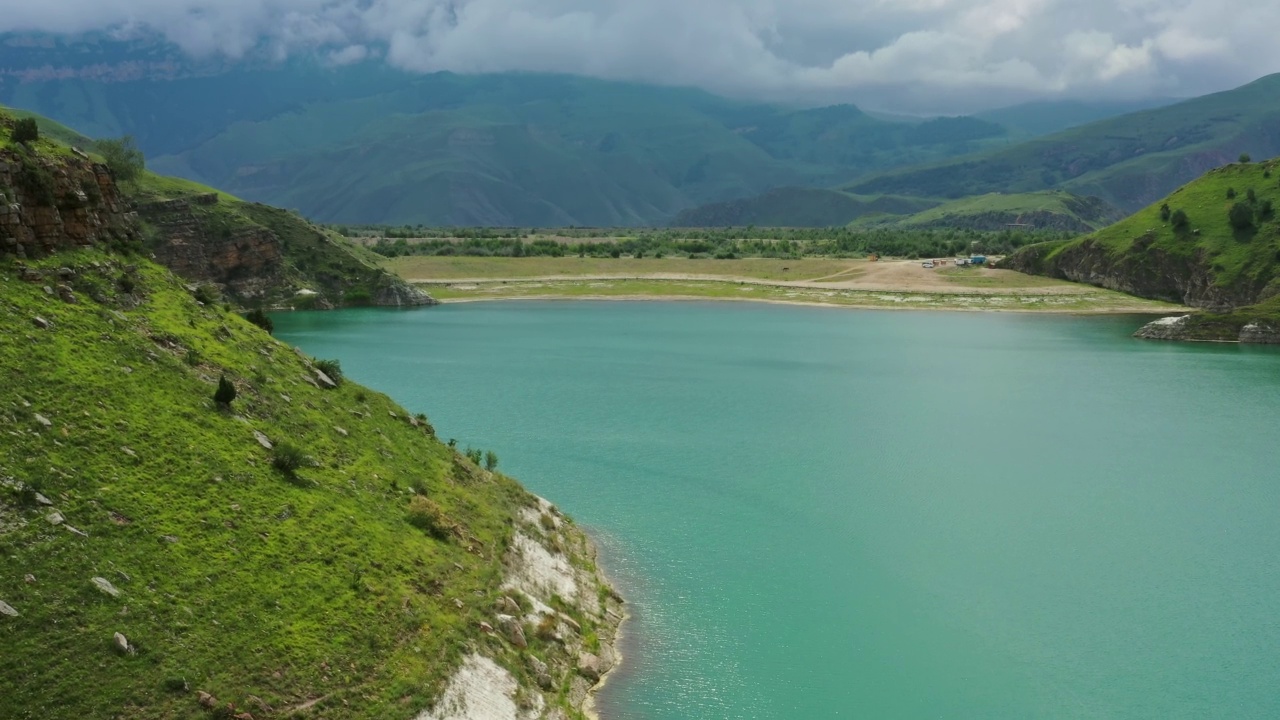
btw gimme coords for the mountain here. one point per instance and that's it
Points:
(1045, 117)
(1045, 210)
(1129, 161)
(254, 254)
(367, 144)
(305, 548)
(797, 207)
(1213, 244)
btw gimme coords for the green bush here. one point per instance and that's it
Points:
(1165, 212)
(262, 320)
(1231, 193)
(332, 368)
(1241, 216)
(25, 131)
(225, 393)
(37, 181)
(490, 460)
(287, 458)
(1180, 219)
(428, 516)
(123, 157)
(1244, 158)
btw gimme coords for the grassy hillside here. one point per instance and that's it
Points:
(1047, 210)
(1214, 243)
(366, 144)
(329, 269)
(797, 207)
(1045, 117)
(259, 586)
(1129, 161)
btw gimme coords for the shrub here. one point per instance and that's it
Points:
(1244, 158)
(262, 320)
(126, 284)
(1231, 193)
(475, 455)
(193, 358)
(287, 458)
(25, 131)
(123, 157)
(1165, 212)
(1241, 216)
(1180, 219)
(225, 393)
(333, 369)
(1251, 195)
(207, 294)
(1266, 210)
(490, 460)
(427, 515)
(38, 182)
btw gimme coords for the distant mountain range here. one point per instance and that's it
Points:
(366, 144)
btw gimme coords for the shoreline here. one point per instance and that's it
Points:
(1120, 310)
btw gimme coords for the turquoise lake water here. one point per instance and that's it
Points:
(820, 513)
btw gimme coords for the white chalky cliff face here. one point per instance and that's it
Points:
(549, 642)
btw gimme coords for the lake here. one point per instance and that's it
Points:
(825, 513)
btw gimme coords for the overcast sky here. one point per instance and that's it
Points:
(909, 55)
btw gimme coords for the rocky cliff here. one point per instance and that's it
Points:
(52, 203)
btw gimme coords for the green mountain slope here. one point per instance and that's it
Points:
(1046, 117)
(1224, 257)
(1047, 210)
(1129, 161)
(255, 254)
(368, 145)
(300, 552)
(797, 207)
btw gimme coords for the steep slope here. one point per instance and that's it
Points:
(1047, 210)
(1213, 244)
(363, 144)
(256, 254)
(1129, 161)
(797, 207)
(307, 549)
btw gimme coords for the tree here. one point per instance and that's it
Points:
(1241, 216)
(490, 460)
(123, 157)
(1179, 219)
(1165, 212)
(25, 131)
(262, 320)
(1244, 158)
(225, 393)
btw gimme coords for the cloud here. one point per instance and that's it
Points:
(912, 55)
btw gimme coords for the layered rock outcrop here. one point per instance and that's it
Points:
(51, 204)
(247, 261)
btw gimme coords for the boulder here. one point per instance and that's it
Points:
(105, 586)
(43, 420)
(55, 518)
(325, 381)
(262, 440)
(7, 609)
(122, 644)
(40, 323)
(590, 666)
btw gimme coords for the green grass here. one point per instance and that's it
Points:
(235, 578)
(1015, 299)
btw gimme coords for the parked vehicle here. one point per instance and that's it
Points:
(927, 264)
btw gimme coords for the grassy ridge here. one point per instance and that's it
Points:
(1050, 209)
(1210, 260)
(1129, 161)
(259, 587)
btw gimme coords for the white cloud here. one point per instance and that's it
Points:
(927, 55)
